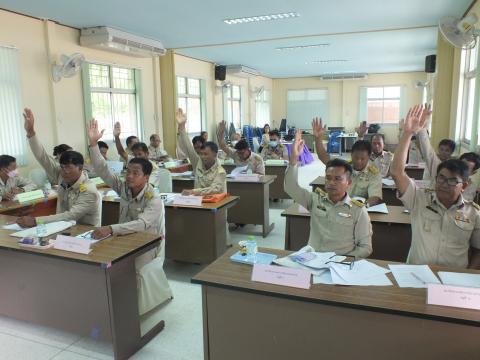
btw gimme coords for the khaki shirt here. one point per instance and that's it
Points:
(441, 236)
(16, 182)
(343, 227)
(273, 153)
(207, 181)
(80, 201)
(366, 183)
(254, 161)
(156, 153)
(431, 159)
(382, 162)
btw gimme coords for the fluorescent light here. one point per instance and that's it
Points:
(258, 18)
(299, 47)
(329, 61)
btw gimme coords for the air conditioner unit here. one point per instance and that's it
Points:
(105, 38)
(241, 71)
(346, 76)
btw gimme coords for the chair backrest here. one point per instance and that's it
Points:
(39, 177)
(162, 180)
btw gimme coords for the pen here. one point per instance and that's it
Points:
(87, 234)
(418, 278)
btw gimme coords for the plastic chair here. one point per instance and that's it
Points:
(333, 145)
(39, 177)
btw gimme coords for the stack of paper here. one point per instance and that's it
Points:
(414, 276)
(239, 170)
(380, 208)
(460, 279)
(184, 174)
(168, 197)
(363, 273)
(52, 228)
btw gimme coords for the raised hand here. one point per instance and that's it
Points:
(117, 129)
(413, 121)
(29, 122)
(92, 132)
(221, 130)
(362, 129)
(318, 128)
(427, 111)
(181, 118)
(297, 147)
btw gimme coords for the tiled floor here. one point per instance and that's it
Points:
(182, 338)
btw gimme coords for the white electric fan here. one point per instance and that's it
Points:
(68, 66)
(461, 33)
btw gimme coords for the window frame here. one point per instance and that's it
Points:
(265, 101)
(228, 97)
(201, 96)
(467, 74)
(367, 99)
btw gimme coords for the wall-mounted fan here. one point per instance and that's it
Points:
(420, 84)
(68, 66)
(258, 91)
(461, 33)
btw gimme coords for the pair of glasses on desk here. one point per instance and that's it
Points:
(350, 264)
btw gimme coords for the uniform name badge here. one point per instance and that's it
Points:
(344, 215)
(460, 216)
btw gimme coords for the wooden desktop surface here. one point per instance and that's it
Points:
(106, 251)
(224, 273)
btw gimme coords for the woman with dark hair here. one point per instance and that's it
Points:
(265, 137)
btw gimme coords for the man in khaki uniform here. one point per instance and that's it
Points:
(78, 197)
(156, 153)
(241, 154)
(380, 158)
(445, 226)
(210, 176)
(366, 179)
(11, 183)
(337, 223)
(140, 210)
(274, 150)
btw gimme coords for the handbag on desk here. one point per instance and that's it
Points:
(214, 198)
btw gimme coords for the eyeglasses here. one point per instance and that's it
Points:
(350, 264)
(450, 181)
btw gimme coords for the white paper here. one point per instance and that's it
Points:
(52, 228)
(248, 177)
(321, 260)
(111, 193)
(460, 279)
(363, 273)
(302, 210)
(414, 276)
(288, 262)
(380, 208)
(324, 277)
(87, 235)
(13, 226)
(188, 200)
(73, 244)
(184, 174)
(238, 170)
(388, 182)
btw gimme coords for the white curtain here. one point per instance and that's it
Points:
(12, 136)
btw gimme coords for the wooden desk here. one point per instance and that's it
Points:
(42, 207)
(276, 188)
(415, 171)
(251, 320)
(91, 295)
(389, 193)
(391, 239)
(253, 205)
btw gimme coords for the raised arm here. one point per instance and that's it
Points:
(51, 167)
(414, 121)
(117, 130)
(426, 149)
(184, 142)
(318, 131)
(291, 186)
(362, 129)
(221, 139)
(98, 162)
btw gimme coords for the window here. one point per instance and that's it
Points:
(262, 108)
(12, 136)
(383, 104)
(234, 106)
(113, 97)
(190, 100)
(305, 104)
(467, 94)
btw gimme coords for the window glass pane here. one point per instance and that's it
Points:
(124, 111)
(473, 58)
(123, 78)
(236, 114)
(99, 76)
(194, 123)
(391, 111)
(375, 92)
(194, 87)
(181, 85)
(296, 95)
(229, 110)
(316, 94)
(392, 92)
(374, 111)
(182, 104)
(470, 107)
(102, 112)
(236, 92)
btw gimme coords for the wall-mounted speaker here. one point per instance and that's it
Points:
(430, 63)
(220, 72)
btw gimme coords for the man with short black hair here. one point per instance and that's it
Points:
(366, 180)
(445, 226)
(337, 223)
(103, 149)
(11, 183)
(125, 154)
(156, 153)
(60, 149)
(141, 209)
(78, 198)
(241, 154)
(274, 150)
(380, 158)
(210, 176)
(472, 160)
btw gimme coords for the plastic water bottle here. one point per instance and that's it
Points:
(41, 229)
(252, 249)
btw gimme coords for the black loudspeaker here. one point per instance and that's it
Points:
(220, 72)
(430, 63)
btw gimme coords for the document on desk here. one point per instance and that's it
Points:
(380, 208)
(13, 226)
(238, 170)
(413, 276)
(324, 277)
(183, 174)
(52, 228)
(288, 262)
(388, 182)
(460, 279)
(317, 260)
(363, 273)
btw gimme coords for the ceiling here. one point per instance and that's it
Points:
(373, 36)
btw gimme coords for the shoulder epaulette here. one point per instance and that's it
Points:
(357, 203)
(349, 161)
(475, 205)
(320, 192)
(373, 169)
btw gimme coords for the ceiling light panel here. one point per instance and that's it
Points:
(301, 47)
(258, 18)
